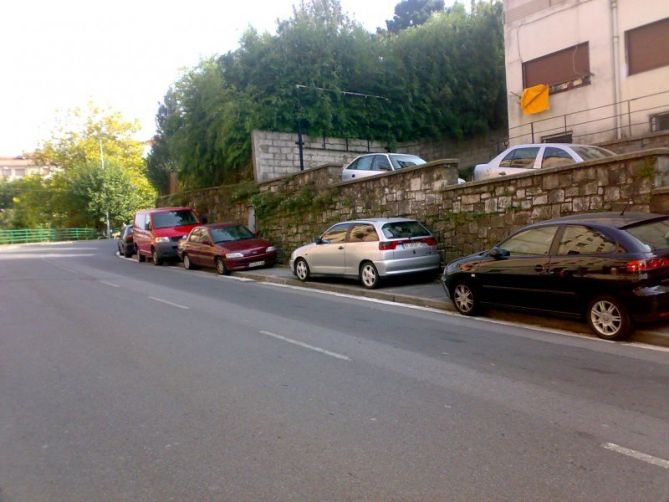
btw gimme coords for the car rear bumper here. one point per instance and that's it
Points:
(408, 265)
(648, 304)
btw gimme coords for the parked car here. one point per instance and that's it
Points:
(368, 249)
(612, 269)
(156, 232)
(522, 158)
(125, 243)
(372, 164)
(226, 247)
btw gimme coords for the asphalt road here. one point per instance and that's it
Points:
(125, 381)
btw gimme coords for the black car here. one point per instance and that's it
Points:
(125, 243)
(611, 268)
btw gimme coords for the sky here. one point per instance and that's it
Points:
(121, 54)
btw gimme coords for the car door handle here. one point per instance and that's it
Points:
(352, 175)
(340, 247)
(502, 173)
(538, 268)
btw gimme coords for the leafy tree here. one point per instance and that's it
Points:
(413, 13)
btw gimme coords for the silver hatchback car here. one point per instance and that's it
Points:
(368, 249)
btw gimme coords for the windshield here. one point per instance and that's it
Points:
(592, 152)
(233, 233)
(404, 230)
(166, 219)
(400, 161)
(654, 234)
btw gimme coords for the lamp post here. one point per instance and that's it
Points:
(102, 166)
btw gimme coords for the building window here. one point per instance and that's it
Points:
(563, 137)
(659, 122)
(561, 71)
(647, 47)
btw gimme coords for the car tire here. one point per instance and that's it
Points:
(302, 269)
(220, 266)
(369, 276)
(127, 252)
(608, 318)
(156, 258)
(465, 299)
(188, 265)
(140, 257)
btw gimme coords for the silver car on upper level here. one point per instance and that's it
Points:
(522, 158)
(372, 164)
(368, 249)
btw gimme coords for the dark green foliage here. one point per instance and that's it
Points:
(413, 13)
(443, 78)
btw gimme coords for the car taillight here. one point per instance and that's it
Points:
(388, 245)
(647, 265)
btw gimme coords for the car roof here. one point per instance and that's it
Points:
(612, 219)
(378, 220)
(162, 209)
(558, 145)
(222, 225)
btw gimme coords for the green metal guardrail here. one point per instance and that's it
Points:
(25, 235)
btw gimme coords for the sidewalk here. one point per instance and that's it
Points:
(426, 292)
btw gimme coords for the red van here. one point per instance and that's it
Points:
(157, 231)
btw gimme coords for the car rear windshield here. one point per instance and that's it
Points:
(228, 234)
(400, 161)
(592, 152)
(166, 219)
(654, 234)
(404, 230)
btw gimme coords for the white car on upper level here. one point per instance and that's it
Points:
(372, 164)
(522, 158)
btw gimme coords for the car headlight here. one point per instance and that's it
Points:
(234, 255)
(270, 249)
(162, 239)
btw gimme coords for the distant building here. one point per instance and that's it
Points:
(14, 168)
(605, 62)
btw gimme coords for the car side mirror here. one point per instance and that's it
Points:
(498, 253)
(319, 240)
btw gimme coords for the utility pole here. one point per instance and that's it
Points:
(102, 165)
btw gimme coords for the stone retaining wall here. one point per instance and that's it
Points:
(465, 218)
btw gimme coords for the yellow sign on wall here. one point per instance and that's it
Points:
(535, 99)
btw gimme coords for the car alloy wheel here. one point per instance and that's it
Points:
(156, 258)
(301, 269)
(220, 266)
(608, 318)
(464, 299)
(369, 276)
(187, 264)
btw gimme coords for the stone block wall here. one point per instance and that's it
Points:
(276, 154)
(465, 218)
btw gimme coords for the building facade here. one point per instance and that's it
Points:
(14, 168)
(605, 62)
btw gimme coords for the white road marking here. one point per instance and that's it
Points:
(168, 303)
(644, 457)
(240, 279)
(110, 284)
(305, 345)
(479, 319)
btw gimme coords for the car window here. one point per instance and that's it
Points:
(363, 233)
(535, 241)
(404, 230)
(166, 219)
(232, 233)
(400, 161)
(381, 163)
(196, 235)
(654, 234)
(336, 233)
(554, 157)
(592, 152)
(520, 157)
(362, 163)
(578, 239)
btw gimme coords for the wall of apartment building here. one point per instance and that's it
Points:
(535, 28)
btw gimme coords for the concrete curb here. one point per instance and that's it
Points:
(647, 336)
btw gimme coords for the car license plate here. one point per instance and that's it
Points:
(411, 245)
(256, 264)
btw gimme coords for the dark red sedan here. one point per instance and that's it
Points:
(226, 247)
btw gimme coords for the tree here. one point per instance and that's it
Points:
(413, 13)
